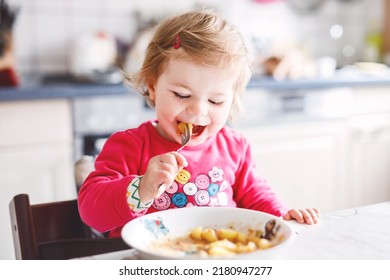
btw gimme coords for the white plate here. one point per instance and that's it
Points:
(144, 231)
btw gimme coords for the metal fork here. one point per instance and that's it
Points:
(185, 139)
(185, 136)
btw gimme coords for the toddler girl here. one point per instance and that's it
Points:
(195, 69)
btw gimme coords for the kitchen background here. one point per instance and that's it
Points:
(45, 30)
(320, 134)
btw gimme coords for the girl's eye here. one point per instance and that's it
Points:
(179, 96)
(216, 103)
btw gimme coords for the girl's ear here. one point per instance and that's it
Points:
(151, 89)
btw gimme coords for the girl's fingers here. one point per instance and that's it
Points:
(309, 216)
(176, 160)
(297, 215)
(314, 214)
(317, 212)
(180, 159)
(287, 216)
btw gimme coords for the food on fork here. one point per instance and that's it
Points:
(183, 127)
(185, 130)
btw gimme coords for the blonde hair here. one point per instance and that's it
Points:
(207, 39)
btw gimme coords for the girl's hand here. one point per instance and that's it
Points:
(161, 170)
(309, 216)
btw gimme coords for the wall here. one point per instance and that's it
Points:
(45, 29)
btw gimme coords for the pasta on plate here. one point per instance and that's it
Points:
(217, 242)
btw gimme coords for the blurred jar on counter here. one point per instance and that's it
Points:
(386, 47)
(374, 43)
(8, 75)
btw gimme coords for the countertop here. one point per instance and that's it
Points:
(37, 87)
(356, 233)
(361, 233)
(38, 91)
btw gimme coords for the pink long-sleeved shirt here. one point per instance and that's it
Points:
(220, 172)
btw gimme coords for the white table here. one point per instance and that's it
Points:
(358, 233)
(361, 233)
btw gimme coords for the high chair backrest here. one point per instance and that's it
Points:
(54, 231)
(82, 168)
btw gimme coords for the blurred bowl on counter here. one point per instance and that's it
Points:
(372, 68)
(93, 59)
(297, 65)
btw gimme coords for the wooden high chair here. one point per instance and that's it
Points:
(54, 230)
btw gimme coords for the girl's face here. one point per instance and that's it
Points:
(192, 93)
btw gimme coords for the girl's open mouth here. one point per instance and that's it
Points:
(196, 130)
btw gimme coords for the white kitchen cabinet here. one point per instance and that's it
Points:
(369, 159)
(371, 100)
(331, 164)
(36, 157)
(369, 146)
(304, 162)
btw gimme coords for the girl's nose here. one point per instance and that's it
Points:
(198, 108)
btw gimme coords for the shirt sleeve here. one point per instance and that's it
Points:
(133, 199)
(103, 197)
(252, 191)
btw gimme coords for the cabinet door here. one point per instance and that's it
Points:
(370, 159)
(44, 172)
(36, 157)
(303, 162)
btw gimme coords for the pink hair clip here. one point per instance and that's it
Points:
(176, 42)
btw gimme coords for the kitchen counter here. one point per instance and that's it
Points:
(342, 78)
(361, 233)
(34, 87)
(36, 91)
